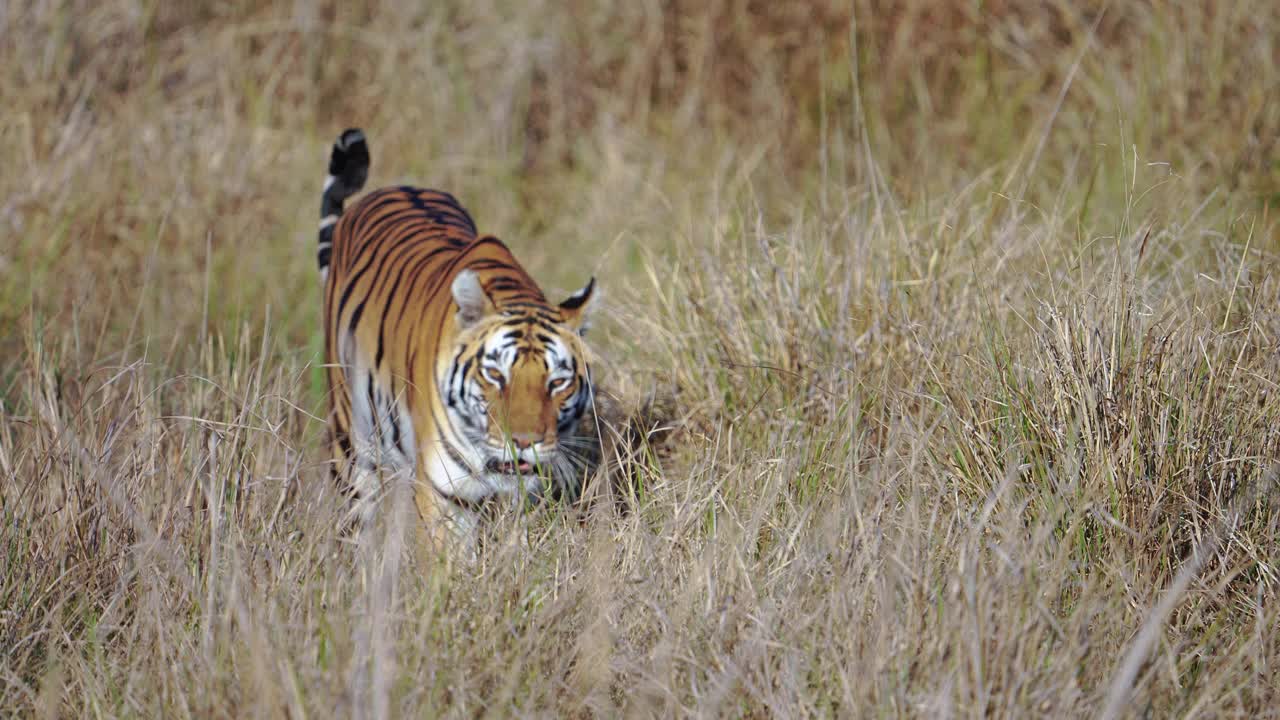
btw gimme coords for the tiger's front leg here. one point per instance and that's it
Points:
(445, 529)
(354, 476)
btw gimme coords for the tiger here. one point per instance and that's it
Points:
(446, 364)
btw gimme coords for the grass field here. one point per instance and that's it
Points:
(937, 358)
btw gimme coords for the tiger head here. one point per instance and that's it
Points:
(519, 384)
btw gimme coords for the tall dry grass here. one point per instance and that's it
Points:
(938, 358)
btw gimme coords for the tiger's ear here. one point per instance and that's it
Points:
(574, 309)
(473, 302)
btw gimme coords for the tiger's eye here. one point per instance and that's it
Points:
(493, 376)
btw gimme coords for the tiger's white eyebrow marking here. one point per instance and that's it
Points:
(499, 354)
(556, 356)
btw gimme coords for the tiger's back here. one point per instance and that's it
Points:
(390, 260)
(446, 364)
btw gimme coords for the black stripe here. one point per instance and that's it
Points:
(443, 208)
(373, 405)
(384, 260)
(351, 285)
(452, 452)
(393, 414)
(382, 324)
(343, 439)
(423, 265)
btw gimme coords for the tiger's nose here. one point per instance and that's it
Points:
(524, 440)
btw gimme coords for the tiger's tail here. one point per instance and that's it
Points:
(348, 169)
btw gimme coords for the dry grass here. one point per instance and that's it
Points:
(960, 321)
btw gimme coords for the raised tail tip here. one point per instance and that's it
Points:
(348, 169)
(348, 164)
(350, 137)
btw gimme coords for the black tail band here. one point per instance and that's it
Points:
(348, 170)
